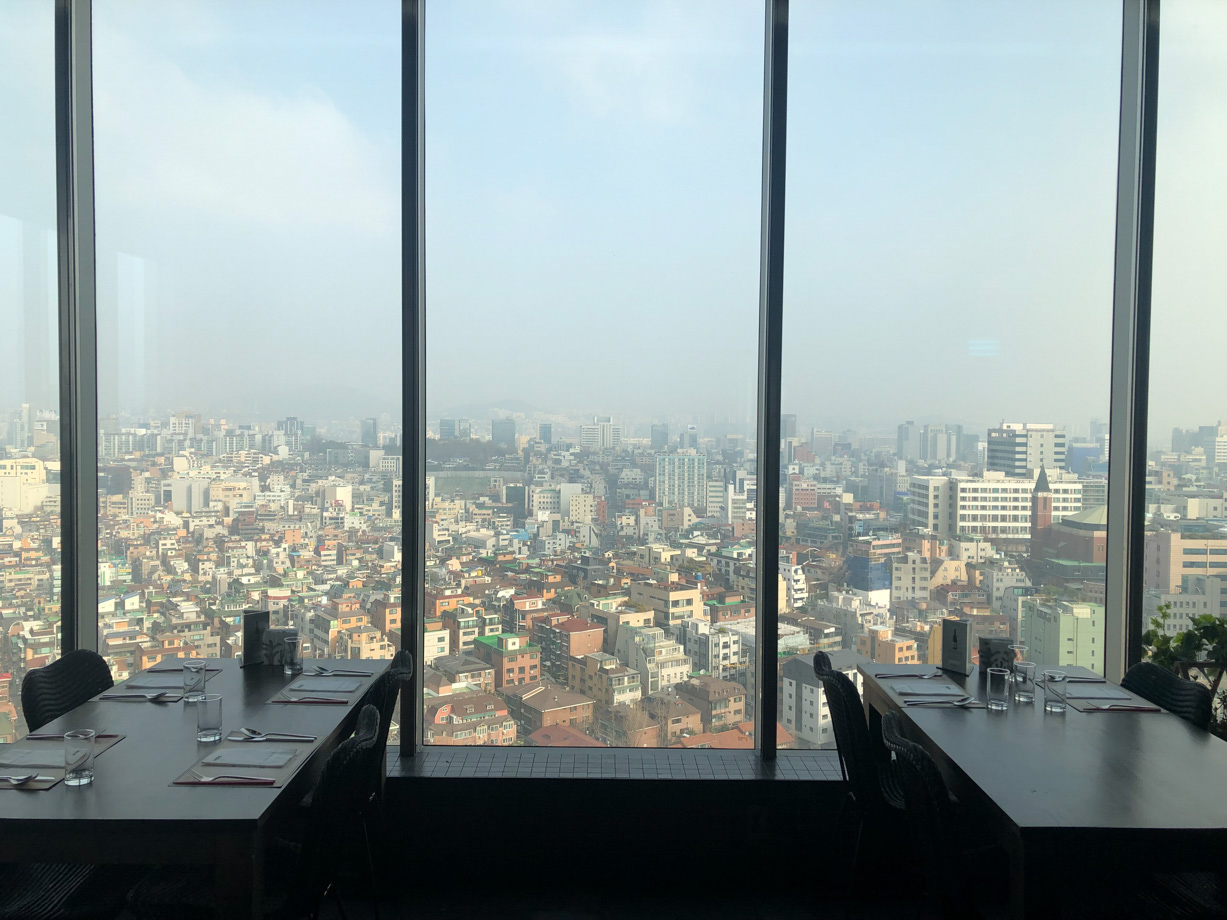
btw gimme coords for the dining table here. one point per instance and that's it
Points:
(1071, 797)
(133, 813)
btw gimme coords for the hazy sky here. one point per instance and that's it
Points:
(593, 183)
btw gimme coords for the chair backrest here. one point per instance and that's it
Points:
(403, 661)
(1185, 698)
(856, 749)
(822, 662)
(47, 693)
(383, 695)
(930, 815)
(332, 820)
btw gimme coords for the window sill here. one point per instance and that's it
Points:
(629, 763)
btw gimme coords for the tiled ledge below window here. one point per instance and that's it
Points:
(583, 763)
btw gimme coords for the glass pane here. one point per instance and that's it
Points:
(1186, 540)
(248, 218)
(29, 356)
(593, 182)
(948, 301)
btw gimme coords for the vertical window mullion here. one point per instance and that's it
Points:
(770, 336)
(78, 324)
(1131, 334)
(413, 360)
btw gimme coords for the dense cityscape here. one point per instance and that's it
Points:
(590, 585)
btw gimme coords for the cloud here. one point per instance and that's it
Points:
(167, 141)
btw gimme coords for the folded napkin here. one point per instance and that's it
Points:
(1091, 692)
(25, 757)
(154, 683)
(268, 758)
(325, 685)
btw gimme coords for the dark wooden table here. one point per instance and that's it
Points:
(1065, 794)
(131, 813)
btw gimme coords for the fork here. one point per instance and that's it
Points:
(963, 701)
(232, 777)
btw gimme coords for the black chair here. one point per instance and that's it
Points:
(176, 893)
(383, 695)
(54, 891)
(1185, 698)
(47, 693)
(874, 792)
(930, 819)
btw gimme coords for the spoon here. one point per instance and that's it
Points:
(20, 780)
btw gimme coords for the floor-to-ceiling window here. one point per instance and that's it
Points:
(1185, 566)
(29, 356)
(249, 383)
(593, 178)
(947, 332)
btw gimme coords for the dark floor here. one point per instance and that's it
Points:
(680, 906)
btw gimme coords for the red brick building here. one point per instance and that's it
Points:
(515, 660)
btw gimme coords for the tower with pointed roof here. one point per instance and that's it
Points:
(1041, 513)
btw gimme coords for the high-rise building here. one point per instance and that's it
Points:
(1060, 633)
(1018, 449)
(681, 480)
(503, 431)
(907, 442)
(447, 429)
(464, 429)
(602, 434)
(370, 432)
(660, 436)
(788, 425)
(545, 432)
(689, 439)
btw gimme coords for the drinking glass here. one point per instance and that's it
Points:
(1018, 652)
(998, 679)
(1054, 692)
(1024, 682)
(79, 757)
(293, 655)
(194, 674)
(209, 717)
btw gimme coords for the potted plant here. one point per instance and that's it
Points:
(1200, 652)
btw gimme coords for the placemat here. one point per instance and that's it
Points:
(235, 752)
(48, 749)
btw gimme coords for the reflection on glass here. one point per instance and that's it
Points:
(248, 189)
(947, 331)
(1186, 531)
(29, 358)
(592, 210)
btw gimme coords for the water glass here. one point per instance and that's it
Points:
(293, 655)
(1017, 653)
(1024, 682)
(998, 683)
(1054, 692)
(209, 717)
(194, 675)
(79, 757)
